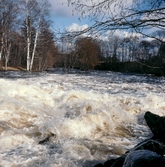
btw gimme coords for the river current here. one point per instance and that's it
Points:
(56, 119)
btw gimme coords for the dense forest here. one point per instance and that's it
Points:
(28, 42)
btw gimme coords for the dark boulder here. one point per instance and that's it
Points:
(156, 124)
(152, 145)
(106, 164)
(144, 158)
(99, 165)
(109, 163)
(149, 144)
(118, 162)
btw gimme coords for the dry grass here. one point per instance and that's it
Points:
(14, 69)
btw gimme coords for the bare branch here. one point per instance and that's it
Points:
(116, 14)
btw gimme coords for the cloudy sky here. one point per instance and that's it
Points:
(63, 16)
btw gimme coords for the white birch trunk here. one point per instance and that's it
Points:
(28, 37)
(35, 42)
(28, 54)
(34, 49)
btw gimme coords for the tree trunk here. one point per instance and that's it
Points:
(2, 46)
(28, 55)
(7, 56)
(34, 49)
(1, 50)
(28, 37)
(35, 41)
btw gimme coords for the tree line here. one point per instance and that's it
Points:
(115, 53)
(27, 40)
(141, 17)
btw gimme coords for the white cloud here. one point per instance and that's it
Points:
(126, 34)
(119, 33)
(63, 13)
(75, 27)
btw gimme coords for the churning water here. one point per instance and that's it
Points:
(74, 120)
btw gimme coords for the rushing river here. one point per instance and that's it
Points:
(74, 120)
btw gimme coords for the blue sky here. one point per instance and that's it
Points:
(63, 17)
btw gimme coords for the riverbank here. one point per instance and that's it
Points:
(13, 68)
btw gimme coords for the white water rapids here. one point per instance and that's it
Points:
(88, 118)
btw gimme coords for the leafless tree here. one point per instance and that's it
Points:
(46, 50)
(87, 50)
(137, 16)
(8, 20)
(35, 12)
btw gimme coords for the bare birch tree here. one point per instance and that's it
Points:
(36, 11)
(8, 19)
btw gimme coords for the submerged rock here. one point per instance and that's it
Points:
(47, 139)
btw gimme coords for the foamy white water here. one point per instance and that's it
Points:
(90, 117)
